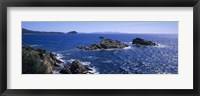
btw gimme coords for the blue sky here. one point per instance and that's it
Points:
(163, 27)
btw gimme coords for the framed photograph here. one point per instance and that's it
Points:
(91, 47)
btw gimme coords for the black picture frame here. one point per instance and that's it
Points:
(98, 3)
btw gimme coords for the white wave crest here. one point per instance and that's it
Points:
(129, 47)
(86, 63)
(71, 60)
(55, 72)
(34, 45)
(161, 46)
(60, 56)
(82, 62)
(94, 70)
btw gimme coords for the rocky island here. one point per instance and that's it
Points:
(104, 44)
(39, 61)
(72, 32)
(139, 41)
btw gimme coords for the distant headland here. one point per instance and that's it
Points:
(26, 31)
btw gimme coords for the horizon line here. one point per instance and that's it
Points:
(102, 32)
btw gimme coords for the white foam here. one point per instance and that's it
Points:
(111, 49)
(60, 56)
(55, 72)
(94, 70)
(82, 62)
(85, 63)
(34, 45)
(161, 46)
(129, 47)
(71, 60)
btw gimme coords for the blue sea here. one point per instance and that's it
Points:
(162, 59)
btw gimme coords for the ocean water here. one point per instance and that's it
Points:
(162, 59)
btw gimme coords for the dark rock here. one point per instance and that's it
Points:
(41, 55)
(88, 69)
(82, 47)
(41, 50)
(90, 47)
(77, 67)
(58, 61)
(65, 70)
(101, 37)
(104, 44)
(139, 41)
(56, 65)
(95, 47)
(72, 32)
(108, 43)
(53, 57)
(28, 48)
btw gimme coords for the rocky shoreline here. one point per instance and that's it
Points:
(76, 67)
(39, 61)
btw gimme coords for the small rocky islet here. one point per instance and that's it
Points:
(115, 44)
(139, 41)
(104, 44)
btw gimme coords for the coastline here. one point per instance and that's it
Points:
(46, 62)
(67, 62)
(132, 59)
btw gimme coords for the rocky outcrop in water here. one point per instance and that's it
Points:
(38, 61)
(108, 43)
(75, 68)
(105, 44)
(139, 41)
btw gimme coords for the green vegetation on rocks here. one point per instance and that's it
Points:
(38, 61)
